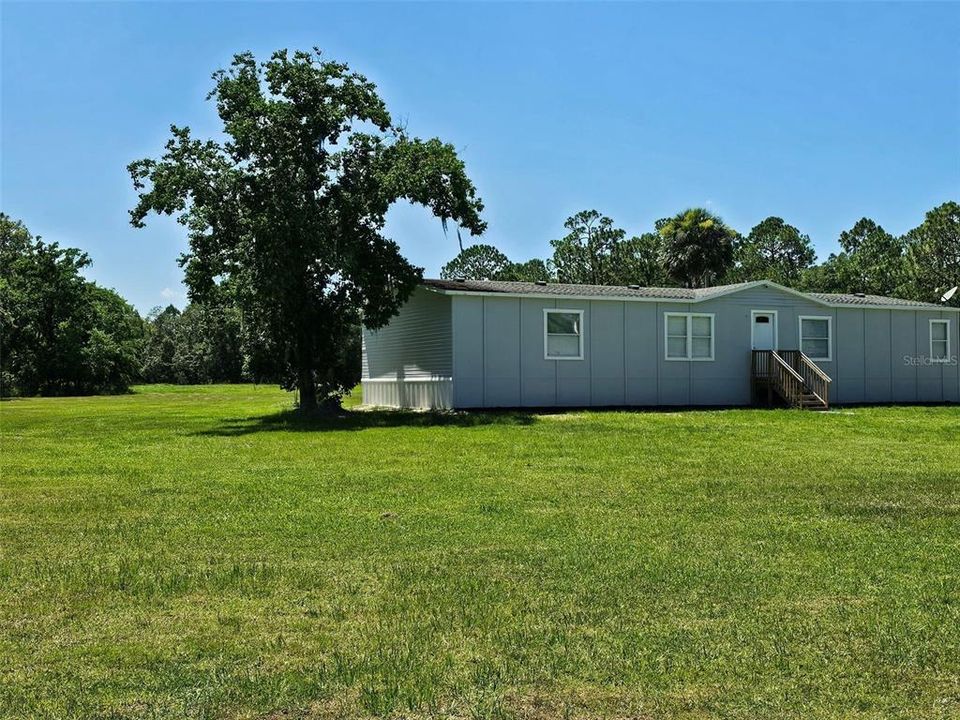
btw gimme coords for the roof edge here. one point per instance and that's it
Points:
(726, 291)
(762, 283)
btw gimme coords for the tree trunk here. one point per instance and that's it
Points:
(308, 391)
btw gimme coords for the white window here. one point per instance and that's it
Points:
(563, 334)
(815, 337)
(940, 340)
(688, 336)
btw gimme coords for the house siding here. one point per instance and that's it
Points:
(487, 351)
(498, 353)
(409, 362)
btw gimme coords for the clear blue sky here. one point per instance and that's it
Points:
(819, 113)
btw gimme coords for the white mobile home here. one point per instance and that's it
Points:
(482, 344)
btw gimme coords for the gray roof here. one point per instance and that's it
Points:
(868, 300)
(658, 293)
(564, 289)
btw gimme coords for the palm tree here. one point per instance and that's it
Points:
(697, 247)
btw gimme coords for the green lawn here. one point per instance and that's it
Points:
(196, 553)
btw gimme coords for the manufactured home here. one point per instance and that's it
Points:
(488, 344)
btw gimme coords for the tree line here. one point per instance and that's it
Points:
(61, 334)
(695, 248)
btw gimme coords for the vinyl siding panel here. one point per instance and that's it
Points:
(878, 356)
(951, 371)
(468, 356)
(538, 376)
(849, 360)
(726, 380)
(573, 376)
(501, 352)
(416, 344)
(673, 376)
(903, 347)
(607, 386)
(641, 358)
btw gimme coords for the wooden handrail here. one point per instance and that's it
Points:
(813, 366)
(784, 379)
(792, 374)
(817, 380)
(776, 357)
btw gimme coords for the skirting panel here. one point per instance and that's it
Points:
(425, 394)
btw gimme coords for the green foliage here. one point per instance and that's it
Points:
(111, 355)
(596, 252)
(485, 262)
(160, 346)
(200, 345)
(638, 261)
(871, 261)
(534, 270)
(192, 552)
(59, 333)
(476, 262)
(585, 254)
(287, 214)
(773, 250)
(697, 247)
(933, 255)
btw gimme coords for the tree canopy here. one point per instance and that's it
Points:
(533, 270)
(288, 212)
(871, 261)
(202, 344)
(60, 334)
(476, 262)
(933, 255)
(697, 247)
(585, 254)
(638, 260)
(773, 250)
(485, 262)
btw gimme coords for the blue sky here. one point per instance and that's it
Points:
(819, 113)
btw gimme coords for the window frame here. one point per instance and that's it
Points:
(829, 319)
(546, 348)
(689, 317)
(946, 323)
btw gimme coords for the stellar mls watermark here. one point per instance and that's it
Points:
(926, 360)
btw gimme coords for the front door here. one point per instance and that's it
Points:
(764, 332)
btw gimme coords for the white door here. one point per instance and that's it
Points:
(764, 331)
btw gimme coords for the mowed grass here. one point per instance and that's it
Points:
(197, 553)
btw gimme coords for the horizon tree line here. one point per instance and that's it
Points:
(696, 248)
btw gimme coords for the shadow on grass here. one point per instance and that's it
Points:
(293, 421)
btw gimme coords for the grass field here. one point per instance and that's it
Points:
(196, 553)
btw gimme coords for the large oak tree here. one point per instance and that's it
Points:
(287, 212)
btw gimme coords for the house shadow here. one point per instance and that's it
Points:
(352, 420)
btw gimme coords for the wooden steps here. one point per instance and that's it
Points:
(791, 376)
(811, 401)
